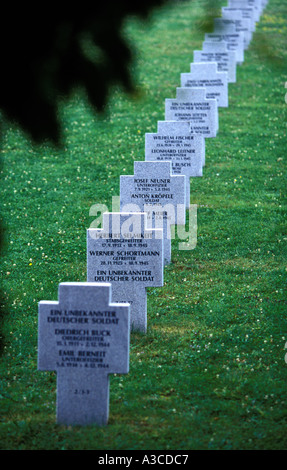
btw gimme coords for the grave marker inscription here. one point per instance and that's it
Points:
(84, 337)
(247, 13)
(226, 31)
(254, 4)
(129, 255)
(241, 24)
(205, 75)
(218, 52)
(174, 142)
(153, 189)
(191, 105)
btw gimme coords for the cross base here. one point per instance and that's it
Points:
(82, 398)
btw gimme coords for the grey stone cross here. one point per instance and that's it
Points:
(153, 189)
(175, 142)
(84, 337)
(218, 52)
(191, 105)
(129, 255)
(205, 75)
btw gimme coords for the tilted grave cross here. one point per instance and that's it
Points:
(247, 11)
(218, 52)
(84, 337)
(129, 255)
(205, 75)
(254, 4)
(153, 189)
(174, 142)
(226, 31)
(241, 24)
(191, 105)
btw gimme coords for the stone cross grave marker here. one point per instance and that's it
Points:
(174, 142)
(129, 255)
(241, 24)
(84, 338)
(218, 52)
(155, 190)
(247, 12)
(205, 75)
(226, 31)
(254, 4)
(191, 105)
(226, 59)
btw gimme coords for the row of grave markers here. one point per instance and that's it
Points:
(85, 335)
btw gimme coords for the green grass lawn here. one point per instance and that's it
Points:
(210, 373)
